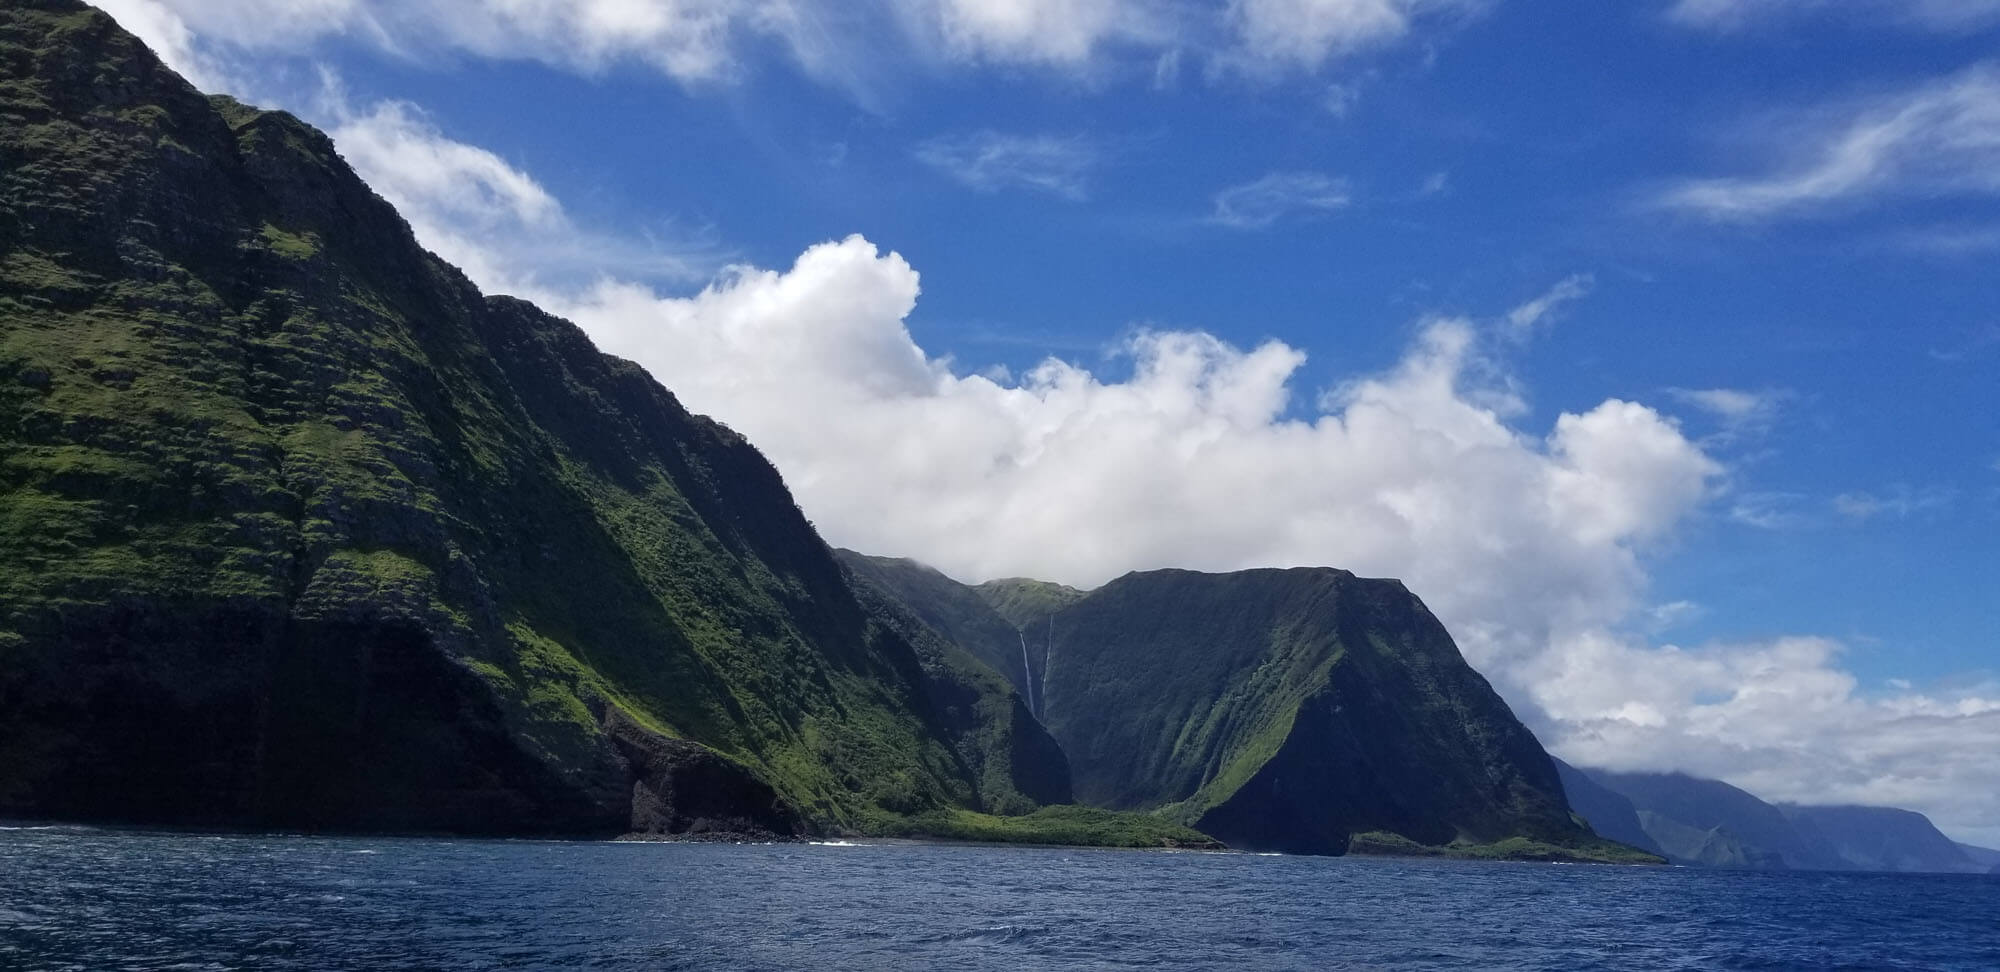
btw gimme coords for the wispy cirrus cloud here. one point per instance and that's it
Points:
(989, 161)
(1262, 203)
(1937, 140)
(1741, 413)
(861, 46)
(1900, 501)
(1526, 320)
(1976, 342)
(1290, 35)
(1940, 15)
(1771, 510)
(487, 216)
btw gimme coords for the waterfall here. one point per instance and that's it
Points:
(1048, 659)
(1027, 672)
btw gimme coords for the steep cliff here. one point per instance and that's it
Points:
(1280, 709)
(1884, 839)
(297, 528)
(1609, 813)
(1709, 822)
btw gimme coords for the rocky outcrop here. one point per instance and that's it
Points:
(681, 787)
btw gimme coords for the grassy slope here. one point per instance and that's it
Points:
(261, 450)
(1511, 849)
(1025, 602)
(948, 607)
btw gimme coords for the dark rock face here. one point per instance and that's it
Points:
(299, 529)
(1291, 709)
(679, 787)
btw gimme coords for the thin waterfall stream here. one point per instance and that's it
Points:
(1027, 673)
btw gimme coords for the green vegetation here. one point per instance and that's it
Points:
(1062, 825)
(1380, 844)
(298, 528)
(1275, 709)
(1025, 602)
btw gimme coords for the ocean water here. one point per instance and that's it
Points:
(76, 898)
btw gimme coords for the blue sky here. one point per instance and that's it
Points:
(1772, 225)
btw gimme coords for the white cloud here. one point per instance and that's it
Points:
(1943, 15)
(1067, 475)
(1281, 35)
(1899, 502)
(991, 161)
(1259, 204)
(156, 23)
(1063, 32)
(1770, 510)
(1740, 413)
(483, 214)
(1524, 321)
(1782, 720)
(1733, 405)
(848, 45)
(1976, 342)
(1940, 140)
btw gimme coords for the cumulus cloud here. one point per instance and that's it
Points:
(1262, 203)
(990, 161)
(1942, 15)
(1939, 140)
(1529, 544)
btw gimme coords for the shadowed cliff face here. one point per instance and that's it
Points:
(1290, 709)
(297, 528)
(1275, 709)
(1609, 813)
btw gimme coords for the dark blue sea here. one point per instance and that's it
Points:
(76, 898)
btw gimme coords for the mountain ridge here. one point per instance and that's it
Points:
(1237, 703)
(1710, 823)
(299, 529)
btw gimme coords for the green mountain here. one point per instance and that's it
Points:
(299, 529)
(1277, 709)
(944, 605)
